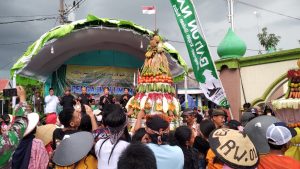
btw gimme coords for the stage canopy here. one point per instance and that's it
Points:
(91, 42)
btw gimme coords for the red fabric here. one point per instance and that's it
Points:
(148, 8)
(51, 118)
(272, 161)
(49, 148)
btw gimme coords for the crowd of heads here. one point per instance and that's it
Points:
(196, 143)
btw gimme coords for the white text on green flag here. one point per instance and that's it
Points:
(202, 63)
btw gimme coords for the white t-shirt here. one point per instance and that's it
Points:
(104, 154)
(167, 156)
(51, 104)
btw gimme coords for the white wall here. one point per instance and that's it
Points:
(257, 78)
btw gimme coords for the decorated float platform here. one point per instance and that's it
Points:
(287, 109)
(155, 92)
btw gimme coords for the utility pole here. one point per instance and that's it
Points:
(230, 13)
(61, 12)
(257, 15)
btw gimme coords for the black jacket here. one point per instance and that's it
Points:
(85, 99)
(106, 100)
(123, 101)
(67, 101)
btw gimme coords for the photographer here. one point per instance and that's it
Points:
(10, 139)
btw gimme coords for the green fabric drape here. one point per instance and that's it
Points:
(59, 80)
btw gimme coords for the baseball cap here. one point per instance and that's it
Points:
(279, 133)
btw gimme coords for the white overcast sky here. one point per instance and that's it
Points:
(212, 13)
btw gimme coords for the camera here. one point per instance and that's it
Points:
(10, 92)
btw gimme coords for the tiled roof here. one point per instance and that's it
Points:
(3, 84)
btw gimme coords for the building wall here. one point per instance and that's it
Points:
(231, 82)
(257, 78)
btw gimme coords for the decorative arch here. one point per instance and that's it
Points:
(271, 89)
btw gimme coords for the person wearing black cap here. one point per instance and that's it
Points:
(218, 117)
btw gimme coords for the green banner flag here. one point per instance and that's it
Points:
(202, 63)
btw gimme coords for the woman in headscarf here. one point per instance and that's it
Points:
(108, 150)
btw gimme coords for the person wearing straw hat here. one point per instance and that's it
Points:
(68, 157)
(233, 149)
(10, 139)
(70, 118)
(31, 152)
(278, 136)
(256, 130)
(45, 133)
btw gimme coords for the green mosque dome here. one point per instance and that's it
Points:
(231, 46)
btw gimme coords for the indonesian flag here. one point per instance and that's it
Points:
(150, 10)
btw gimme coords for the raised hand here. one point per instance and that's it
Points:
(21, 93)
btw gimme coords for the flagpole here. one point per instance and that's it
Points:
(204, 37)
(155, 18)
(185, 92)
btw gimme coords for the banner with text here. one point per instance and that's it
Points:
(96, 78)
(202, 63)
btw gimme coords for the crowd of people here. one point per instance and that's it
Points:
(89, 135)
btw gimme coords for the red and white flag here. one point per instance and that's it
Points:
(150, 10)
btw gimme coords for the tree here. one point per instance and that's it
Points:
(268, 41)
